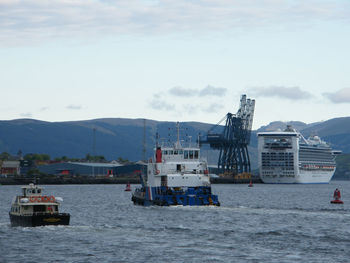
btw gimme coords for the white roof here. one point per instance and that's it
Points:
(281, 133)
(99, 164)
(10, 164)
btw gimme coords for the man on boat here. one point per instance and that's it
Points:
(336, 194)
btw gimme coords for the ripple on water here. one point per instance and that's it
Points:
(264, 224)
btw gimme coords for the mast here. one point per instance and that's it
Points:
(144, 141)
(178, 144)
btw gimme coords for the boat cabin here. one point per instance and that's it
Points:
(32, 202)
(31, 190)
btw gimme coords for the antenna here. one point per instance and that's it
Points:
(144, 140)
(94, 141)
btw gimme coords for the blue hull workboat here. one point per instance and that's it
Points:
(176, 176)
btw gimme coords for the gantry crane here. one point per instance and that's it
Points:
(233, 141)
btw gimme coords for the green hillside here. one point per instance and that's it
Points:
(343, 167)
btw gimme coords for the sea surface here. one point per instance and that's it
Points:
(263, 223)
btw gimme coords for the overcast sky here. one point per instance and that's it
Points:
(183, 60)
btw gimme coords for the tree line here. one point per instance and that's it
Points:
(32, 157)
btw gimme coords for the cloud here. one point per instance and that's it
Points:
(212, 108)
(158, 104)
(207, 91)
(29, 20)
(26, 115)
(340, 96)
(292, 93)
(74, 107)
(190, 101)
(212, 91)
(44, 108)
(182, 92)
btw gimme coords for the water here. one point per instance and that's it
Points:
(265, 223)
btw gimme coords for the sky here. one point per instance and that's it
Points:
(184, 60)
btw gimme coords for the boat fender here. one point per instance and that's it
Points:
(157, 171)
(59, 199)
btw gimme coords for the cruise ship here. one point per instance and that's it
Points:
(286, 157)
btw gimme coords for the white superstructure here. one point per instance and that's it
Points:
(287, 157)
(178, 166)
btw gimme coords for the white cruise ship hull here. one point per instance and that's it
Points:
(306, 177)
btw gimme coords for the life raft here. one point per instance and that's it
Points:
(43, 199)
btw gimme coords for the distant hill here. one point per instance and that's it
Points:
(118, 137)
(113, 137)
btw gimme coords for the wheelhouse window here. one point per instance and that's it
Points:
(196, 154)
(185, 154)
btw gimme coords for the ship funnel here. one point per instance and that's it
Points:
(158, 155)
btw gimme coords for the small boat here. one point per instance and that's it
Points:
(337, 201)
(176, 176)
(31, 208)
(127, 187)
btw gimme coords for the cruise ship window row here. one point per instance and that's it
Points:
(315, 152)
(277, 159)
(271, 164)
(269, 173)
(315, 158)
(316, 155)
(274, 153)
(307, 148)
(316, 163)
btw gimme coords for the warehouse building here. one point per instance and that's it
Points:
(113, 169)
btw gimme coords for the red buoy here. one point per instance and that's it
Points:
(336, 197)
(127, 188)
(250, 184)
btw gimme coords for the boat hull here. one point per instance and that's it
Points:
(42, 219)
(305, 177)
(199, 196)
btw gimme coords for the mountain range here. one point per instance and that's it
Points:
(134, 139)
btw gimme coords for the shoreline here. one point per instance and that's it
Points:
(98, 180)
